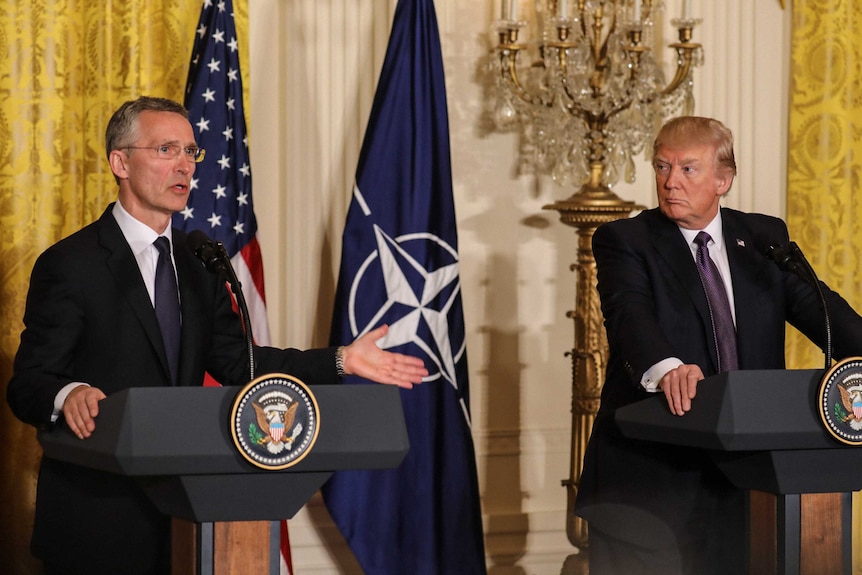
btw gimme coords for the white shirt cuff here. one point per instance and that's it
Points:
(653, 375)
(60, 399)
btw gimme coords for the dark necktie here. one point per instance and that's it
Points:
(168, 305)
(719, 308)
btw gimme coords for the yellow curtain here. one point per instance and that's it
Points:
(824, 208)
(65, 65)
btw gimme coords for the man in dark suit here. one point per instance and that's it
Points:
(91, 330)
(654, 508)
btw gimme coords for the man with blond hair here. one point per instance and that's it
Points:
(687, 292)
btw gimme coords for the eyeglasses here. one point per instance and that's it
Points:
(171, 151)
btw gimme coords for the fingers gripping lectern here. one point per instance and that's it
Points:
(765, 434)
(177, 442)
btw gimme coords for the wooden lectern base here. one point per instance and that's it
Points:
(237, 547)
(806, 534)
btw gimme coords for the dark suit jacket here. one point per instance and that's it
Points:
(89, 318)
(655, 307)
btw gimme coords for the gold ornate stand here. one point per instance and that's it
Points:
(593, 205)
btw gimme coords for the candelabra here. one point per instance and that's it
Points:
(586, 108)
(596, 94)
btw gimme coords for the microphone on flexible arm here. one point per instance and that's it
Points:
(790, 258)
(216, 259)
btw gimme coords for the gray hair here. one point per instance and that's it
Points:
(123, 125)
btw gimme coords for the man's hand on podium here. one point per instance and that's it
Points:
(80, 409)
(680, 386)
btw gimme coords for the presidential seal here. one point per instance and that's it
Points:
(839, 401)
(274, 421)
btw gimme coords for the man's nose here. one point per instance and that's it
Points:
(185, 166)
(672, 177)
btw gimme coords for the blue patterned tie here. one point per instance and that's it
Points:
(168, 305)
(719, 308)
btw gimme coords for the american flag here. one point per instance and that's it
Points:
(220, 203)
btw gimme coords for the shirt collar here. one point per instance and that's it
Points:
(138, 235)
(713, 228)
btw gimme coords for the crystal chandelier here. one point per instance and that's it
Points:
(596, 95)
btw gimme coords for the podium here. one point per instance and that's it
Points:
(763, 432)
(177, 443)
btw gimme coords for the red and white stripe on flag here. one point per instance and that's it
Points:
(220, 202)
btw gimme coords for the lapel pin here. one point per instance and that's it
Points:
(740, 243)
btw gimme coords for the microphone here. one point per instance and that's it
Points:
(212, 254)
(216, 259)
(791, 259)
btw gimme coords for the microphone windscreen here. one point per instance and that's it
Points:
(197, 239)
(767, 246)
(204, 249)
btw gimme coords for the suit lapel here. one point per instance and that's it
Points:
(746, 267)
(671, 246)
(123, 267)
(193, 310)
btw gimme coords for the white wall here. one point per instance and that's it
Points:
(314, 65)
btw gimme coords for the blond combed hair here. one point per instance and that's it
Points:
(693, 130)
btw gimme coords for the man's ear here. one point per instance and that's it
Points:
(119, 161)
(725, 180)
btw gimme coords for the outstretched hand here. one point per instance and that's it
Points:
(364, 358)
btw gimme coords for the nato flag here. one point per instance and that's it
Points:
(399, 267)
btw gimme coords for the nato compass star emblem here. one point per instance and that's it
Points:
(415, 301)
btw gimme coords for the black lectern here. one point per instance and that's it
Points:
(763, 432)
(177, 443)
